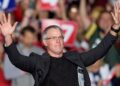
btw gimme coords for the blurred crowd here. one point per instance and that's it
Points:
(93, 18)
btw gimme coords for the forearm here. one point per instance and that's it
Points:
(8, 40)
(98, 52)
(83, 13)
(25, 21)
(62, 9)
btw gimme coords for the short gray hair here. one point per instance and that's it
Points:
(44, 36)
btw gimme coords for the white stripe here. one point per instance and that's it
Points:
(5, 4)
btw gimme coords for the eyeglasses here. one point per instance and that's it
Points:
(54, 38)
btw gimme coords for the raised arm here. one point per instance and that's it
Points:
(23, 62)
(62, 9)
(25, 21)
(83, 13)
(93, 55)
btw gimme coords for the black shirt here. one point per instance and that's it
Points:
(62, 73)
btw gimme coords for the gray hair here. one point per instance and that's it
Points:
(44, 33)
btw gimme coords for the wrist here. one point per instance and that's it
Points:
(8, 40)
(8, 36)
(113, 33)
(116, 26)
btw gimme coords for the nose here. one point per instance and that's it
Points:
(57, 40)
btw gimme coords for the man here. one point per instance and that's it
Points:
(25, 46)
(56, 68)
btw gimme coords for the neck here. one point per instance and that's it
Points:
(26, 46)
(56, 55)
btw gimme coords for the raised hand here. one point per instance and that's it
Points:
(116, 15)
(5, 24)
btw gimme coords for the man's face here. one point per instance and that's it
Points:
(28, 38)
(54, 41)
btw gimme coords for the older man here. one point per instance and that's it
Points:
(56, 68)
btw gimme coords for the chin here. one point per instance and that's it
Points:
(59, 52)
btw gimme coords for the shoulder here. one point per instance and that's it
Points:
(34, 55)
(38, 50)
(40, 58)
(72, 54)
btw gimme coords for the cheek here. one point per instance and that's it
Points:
(62, 42)
(25, 39)
(50, 43)
(101, 22)
(30, 40)
(110, 22)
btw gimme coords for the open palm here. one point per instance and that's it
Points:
(116, 13)
(5, 25)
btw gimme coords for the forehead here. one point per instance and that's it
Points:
(106, 15)
(27, 33)
(54, 32)
(73, 10)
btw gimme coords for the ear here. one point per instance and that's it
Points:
(45, 43)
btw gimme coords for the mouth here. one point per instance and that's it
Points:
(57, 46)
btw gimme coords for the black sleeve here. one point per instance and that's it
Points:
(98, 52)
(23, 62)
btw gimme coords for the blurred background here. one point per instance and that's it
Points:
(84, 22)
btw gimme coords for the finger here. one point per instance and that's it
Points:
(113, 16)
(9, 18)
(117, 5)
(114, 7)
(1, 19)
(0, 26)
(116, 12)
(4, 18)
(14, 26)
